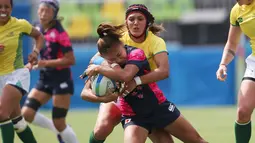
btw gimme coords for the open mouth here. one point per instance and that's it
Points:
(2, 15)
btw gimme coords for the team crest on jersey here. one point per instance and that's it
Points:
(127, 121)
(52, 34)
(240, 20)
(10, 34)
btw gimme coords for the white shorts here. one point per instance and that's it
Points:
(19, 77)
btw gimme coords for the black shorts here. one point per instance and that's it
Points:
(55, 87)
(165, 114)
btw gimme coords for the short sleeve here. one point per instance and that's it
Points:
(160, 46)
(64, 42)
(26, 26)
(137, 57)
(234, 16)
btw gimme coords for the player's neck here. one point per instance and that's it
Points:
(246, 2)
(46, 27)
(4, 22)
(138, 40)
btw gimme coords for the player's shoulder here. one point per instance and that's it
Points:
(20, 21)
(155, 38)
(125, 37)
(235, 8)
(17, 21)
(131, 50)
(58, 26)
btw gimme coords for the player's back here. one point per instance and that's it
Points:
(145, 98)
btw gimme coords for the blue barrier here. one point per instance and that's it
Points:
(23, 10)
(192, 78)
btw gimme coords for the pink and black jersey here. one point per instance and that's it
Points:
(57, 43)
(145, 98)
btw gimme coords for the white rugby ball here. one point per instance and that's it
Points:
(102, 84)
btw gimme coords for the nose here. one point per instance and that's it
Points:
(3, 9)
(43, 14)
(135, 21)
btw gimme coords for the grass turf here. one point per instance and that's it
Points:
(216, 125)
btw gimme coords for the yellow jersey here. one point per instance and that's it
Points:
(151, 46)
(244, 16)
(11, 37)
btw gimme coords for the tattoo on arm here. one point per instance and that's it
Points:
(231, 52)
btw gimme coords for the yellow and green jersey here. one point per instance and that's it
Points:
(11, 37)
(151, 46)
(244, 16)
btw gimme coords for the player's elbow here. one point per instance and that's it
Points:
(84, 95)
(165, 74)
(72, 62)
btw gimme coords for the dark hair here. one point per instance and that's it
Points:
(108, 36)
(154, 28)
(11, 1)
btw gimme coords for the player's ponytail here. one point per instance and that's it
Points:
(108, 36)
(156, 29)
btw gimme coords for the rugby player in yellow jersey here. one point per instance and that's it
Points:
(141, 33)
(14, 77)
(242, 20)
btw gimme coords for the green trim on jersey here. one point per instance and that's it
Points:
(19, 63)
(161, 52)
(237, 24)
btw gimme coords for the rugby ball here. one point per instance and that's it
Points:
(102, 84)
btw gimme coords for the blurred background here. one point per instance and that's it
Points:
(196, 31)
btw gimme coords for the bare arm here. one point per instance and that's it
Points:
(231, 45)
(88, 95)
(160, 73)
(39, 40)
(229, 51)
(117, 73)
(67, 60)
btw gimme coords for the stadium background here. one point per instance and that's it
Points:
(196, 31)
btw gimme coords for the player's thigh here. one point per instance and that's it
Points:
(246, 96)
(16, 112)
(39, 95)
(183, 130)
(160, 136)
(135, 134)
(109, 113)
(10, 98)
(35, 99)
(62, 93)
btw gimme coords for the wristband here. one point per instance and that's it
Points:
(223, 65)
(114, 64)
(138, 80)
(36, 51)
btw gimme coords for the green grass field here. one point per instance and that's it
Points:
(214, 124)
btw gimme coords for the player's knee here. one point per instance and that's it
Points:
(19, 124)
(32, 103)
(4, 114)
(30, 108)
(103, 129)
(243, 114)
(28, 114)
(59, 115)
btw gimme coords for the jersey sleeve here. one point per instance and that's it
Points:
(137, 57)
(26, 26)
(160, 46)
(234, 16)
(64, 42)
